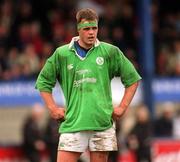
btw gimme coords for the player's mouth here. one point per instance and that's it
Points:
(91, 38)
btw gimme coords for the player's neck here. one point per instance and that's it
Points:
(85, 45)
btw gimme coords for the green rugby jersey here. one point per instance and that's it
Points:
(86, 83)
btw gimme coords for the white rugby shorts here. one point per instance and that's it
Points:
(89, 140)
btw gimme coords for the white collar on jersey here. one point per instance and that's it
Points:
(97, 42)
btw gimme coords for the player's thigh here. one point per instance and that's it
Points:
(99, 156)
(67, 156)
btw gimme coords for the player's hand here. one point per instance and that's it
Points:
(118, 113)
(57, 113)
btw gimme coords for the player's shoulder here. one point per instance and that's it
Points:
(62, 50)
(110, 49)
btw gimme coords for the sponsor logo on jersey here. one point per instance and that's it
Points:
(100, 60)
(70, 66)
(83, 71)
(77, 83)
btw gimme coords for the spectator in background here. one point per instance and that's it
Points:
(52, 138)
(176, 125)
(114, 155)
(176, 56)
(163, 125)
(29, 61)
(139, 138)
(36, 38)
(6, 20)
(3, 63)
(33, 142)
(20, 30)
(47, 49)
(162, 59)
(118, 38)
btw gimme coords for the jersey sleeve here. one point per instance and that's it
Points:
(48, 75)
(124, 69)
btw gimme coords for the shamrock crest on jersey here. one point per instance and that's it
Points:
(100, 60)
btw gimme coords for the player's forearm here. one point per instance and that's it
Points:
(48, 99)
(55, 111)
(128, 95)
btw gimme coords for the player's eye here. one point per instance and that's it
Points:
(94, 28)
(90, 28)
(86, 29)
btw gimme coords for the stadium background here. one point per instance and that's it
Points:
(147, 31)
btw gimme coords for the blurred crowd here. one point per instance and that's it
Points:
(30, 31)
(166, 30)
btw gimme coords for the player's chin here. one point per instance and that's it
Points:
(90, 42)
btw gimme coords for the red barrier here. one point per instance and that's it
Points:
(12, 154)
(127, 156)
(166, 150)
